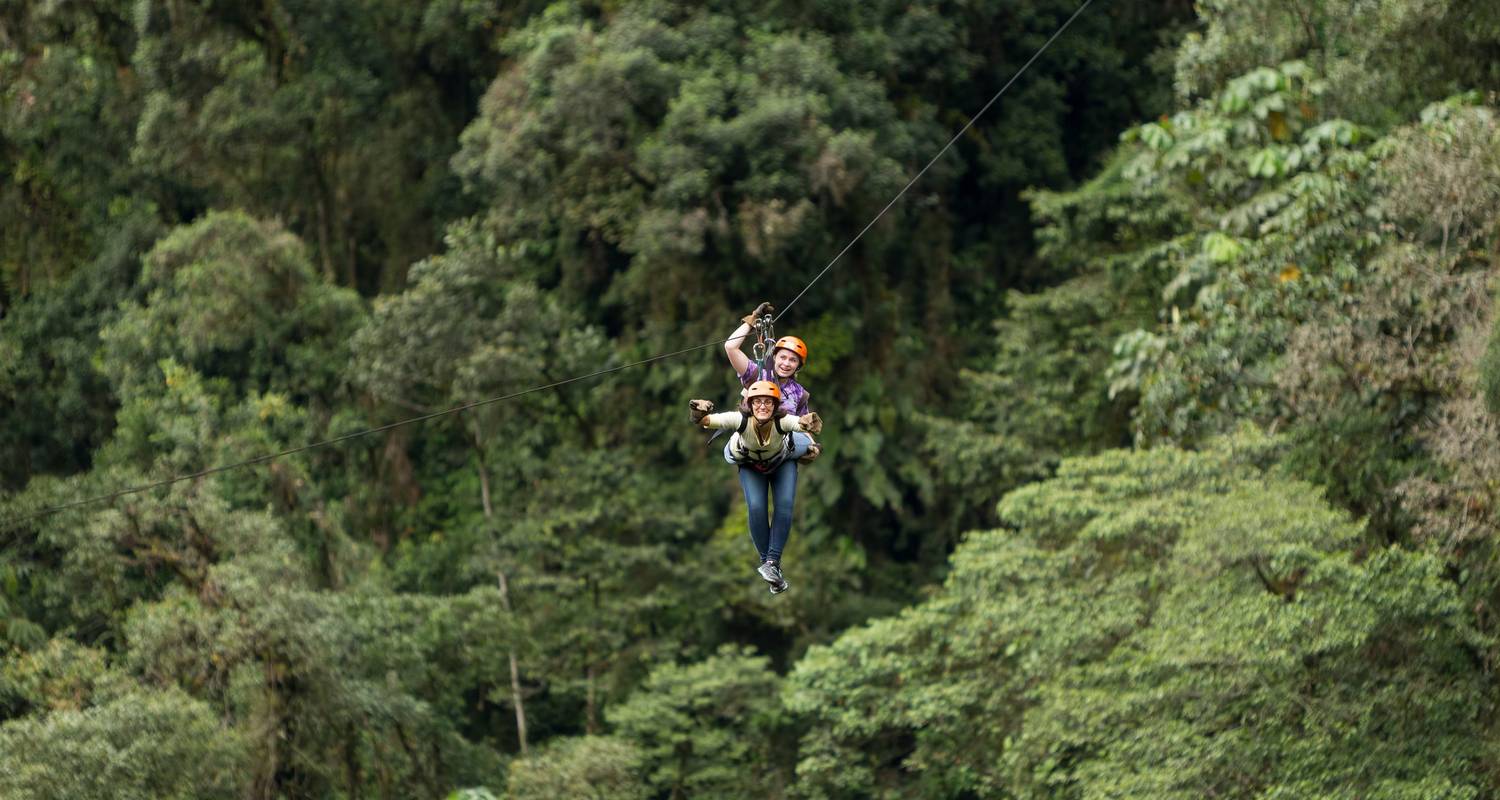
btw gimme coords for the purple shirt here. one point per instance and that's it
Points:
(793, 396)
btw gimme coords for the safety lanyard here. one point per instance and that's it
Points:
(765, 337)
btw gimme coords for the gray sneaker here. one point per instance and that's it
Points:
(770, 571)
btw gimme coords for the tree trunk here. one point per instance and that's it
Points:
(352, 772)
(591, 724)
(515, 670)
(515, 667)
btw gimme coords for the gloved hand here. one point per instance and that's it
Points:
(812, 454)
(760, 311)
(698, 409)
(812, 423)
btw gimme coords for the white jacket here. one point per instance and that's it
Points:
(749, 443)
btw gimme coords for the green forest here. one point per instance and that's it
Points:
(1160, 417)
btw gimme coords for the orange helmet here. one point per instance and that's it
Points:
(763, 389)
(793, 344)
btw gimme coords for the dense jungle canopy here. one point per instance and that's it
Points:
(1162, 416)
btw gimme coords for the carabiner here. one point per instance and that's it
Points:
(765, 328)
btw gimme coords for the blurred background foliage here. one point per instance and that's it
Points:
(1161, 452)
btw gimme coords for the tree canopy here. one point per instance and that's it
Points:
(1160, 448)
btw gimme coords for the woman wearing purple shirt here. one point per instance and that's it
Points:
(787, 357)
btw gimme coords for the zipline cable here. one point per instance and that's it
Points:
(11, 523)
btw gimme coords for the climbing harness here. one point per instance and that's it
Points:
(743, 457)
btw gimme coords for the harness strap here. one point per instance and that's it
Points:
(769, 464)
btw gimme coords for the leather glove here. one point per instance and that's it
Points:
(812, 423)
(812, 454)
(760, 311)
(698, 409)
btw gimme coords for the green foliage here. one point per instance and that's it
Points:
(1305, 241)
(1043, 399)
(591, 767)
(1489, 372)
(1156, 622)
(60, 675)
(321, 114)
(550, 497)
(320, 689)
(1370, 382)
(671, 136)
(1279, 228)
(68, 111)
(1296, 263)
(708, 729)
(135, 746)
(1384, 60)
(234, 298)
(58, 405)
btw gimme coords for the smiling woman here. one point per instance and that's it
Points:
(787, 357)
(766, 449)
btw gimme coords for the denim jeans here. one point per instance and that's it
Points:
(770, 537)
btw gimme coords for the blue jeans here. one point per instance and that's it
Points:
(770, 538)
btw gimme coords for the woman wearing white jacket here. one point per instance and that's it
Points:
(767, 453)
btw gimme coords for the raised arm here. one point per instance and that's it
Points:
(732, 346)
(723, 421)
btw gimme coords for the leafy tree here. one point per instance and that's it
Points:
(592, 767)
(1044, 398)
(1157, 623)
(285, 110)
(237, 299)
(1184, 266)
(548, 503)
(68, 110)
(234, 304)
(1382, 384)
(203, 587)
(58, 405)
(1384, 61)
(1280, 228)
(328, 691)
(91, 731)
(711, 728)
(1257, 225)
(135, 746)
